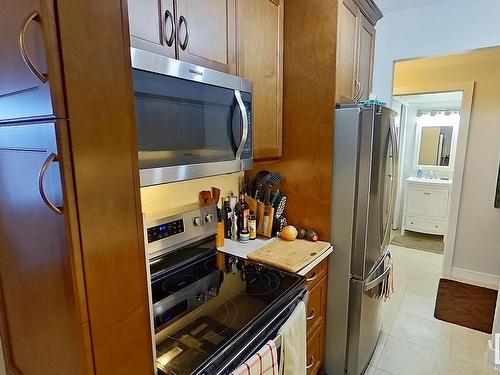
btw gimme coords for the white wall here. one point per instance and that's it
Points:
(440, 28)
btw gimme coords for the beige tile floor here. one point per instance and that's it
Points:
(413, 342)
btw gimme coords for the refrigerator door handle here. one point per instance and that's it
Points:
(372, 284)
(367, 285)
(394, 176)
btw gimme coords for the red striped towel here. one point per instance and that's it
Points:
(264, 362)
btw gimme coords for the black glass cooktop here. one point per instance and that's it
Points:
(211, 308)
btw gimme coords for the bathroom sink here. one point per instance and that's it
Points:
(425, 180)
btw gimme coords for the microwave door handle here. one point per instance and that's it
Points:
(244, 118)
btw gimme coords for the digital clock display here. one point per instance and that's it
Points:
(165, 230)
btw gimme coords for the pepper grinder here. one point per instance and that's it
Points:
(234, 227)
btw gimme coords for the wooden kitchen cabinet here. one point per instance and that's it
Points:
(65, 256)
(39, 293)
(30, 84)
(355, 51)
(317, 284)
(260, 59)
(199, 32)
(152, 26)
(206, 33)
(366, 55)
(315, 352)
(347, 55)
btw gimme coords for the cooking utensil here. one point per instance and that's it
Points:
(280, 205)
(276, 178)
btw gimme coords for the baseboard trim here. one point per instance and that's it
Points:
(475, 278)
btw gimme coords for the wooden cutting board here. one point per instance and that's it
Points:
(289, 255)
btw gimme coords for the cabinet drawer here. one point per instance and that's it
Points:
(316, 307)
(315, 275)
(425, 225)
(315, 352)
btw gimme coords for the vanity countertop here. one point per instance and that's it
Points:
(242, 250)
(434, 181)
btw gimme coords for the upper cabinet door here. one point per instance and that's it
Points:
(366, 51)
(30, 83)
(206, 33)
(152, 26)
(347, 51)
(260, 28)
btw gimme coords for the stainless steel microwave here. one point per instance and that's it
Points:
(192, 121)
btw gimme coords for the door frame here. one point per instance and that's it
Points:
(467, 89)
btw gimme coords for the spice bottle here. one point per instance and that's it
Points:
(252, 226)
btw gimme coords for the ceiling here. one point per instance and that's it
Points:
(394, 5)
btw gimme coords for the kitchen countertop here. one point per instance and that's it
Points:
(242, 250)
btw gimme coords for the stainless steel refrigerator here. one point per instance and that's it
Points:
(364, 181)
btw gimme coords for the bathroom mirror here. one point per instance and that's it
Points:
(435, 146)
(435, 142)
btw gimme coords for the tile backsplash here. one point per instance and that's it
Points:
(176, 194)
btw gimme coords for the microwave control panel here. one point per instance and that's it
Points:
(165, 230)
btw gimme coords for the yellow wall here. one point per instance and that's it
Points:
(477, 245)
(173, 195)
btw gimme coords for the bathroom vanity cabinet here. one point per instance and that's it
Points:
(426, 205)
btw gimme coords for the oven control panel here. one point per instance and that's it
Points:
(165, 230)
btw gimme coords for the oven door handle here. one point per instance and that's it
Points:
(244, 118)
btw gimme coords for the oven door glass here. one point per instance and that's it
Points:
(181, 122)
(227, 306)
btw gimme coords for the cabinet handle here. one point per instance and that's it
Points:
(170, 39)
(311, 315)
(310, 363)
(22, 47)
(52, 158)
(356, 90)
(312, 278)
(184, 44)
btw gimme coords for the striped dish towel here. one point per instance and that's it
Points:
(264, 362)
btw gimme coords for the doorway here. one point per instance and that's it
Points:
(428, 128)
(432, 102)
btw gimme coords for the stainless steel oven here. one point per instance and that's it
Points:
(210, 315)
(191, 121)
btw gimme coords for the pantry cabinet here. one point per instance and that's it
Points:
(260, 59)
(355, 51)
(199, 32)
(30, 83)
(66, 256)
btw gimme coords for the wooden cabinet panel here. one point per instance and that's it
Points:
(206, 33)
(355, 52)
(44, 331)
(23, 94)
(315, 351)
(347, 50)
(260, 28)
(317, 274)
(152, 26)
(316, 307)
(366, 54)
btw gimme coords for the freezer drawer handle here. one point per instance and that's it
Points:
(377, 280)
